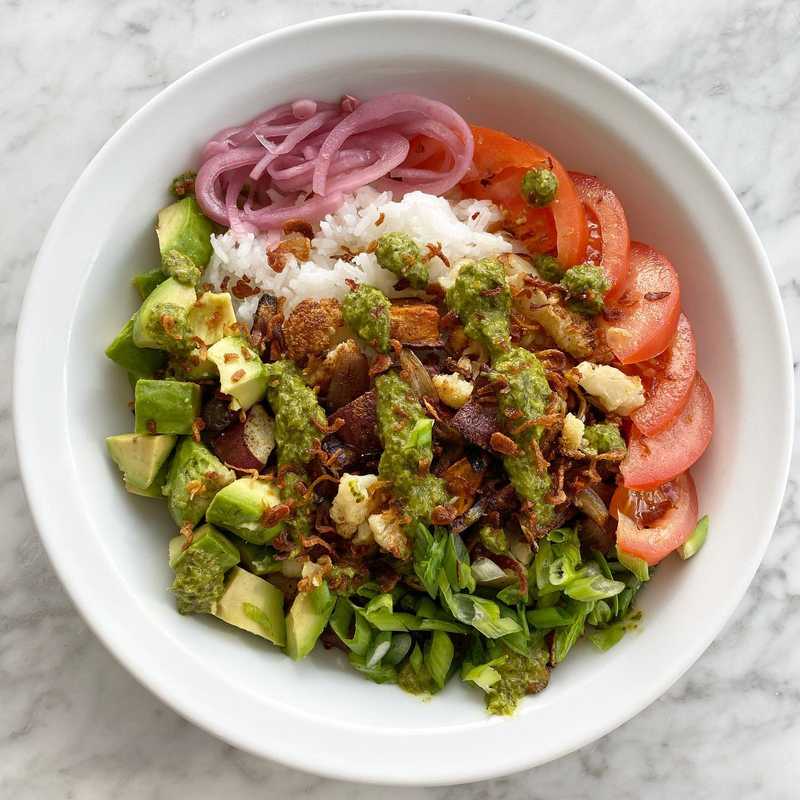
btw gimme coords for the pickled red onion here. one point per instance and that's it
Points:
(297, 160)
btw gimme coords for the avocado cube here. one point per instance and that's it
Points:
(194, 477)
(241, 372)
(161, 322)
(207, 320)
(241, 508)
(146, 282)
(192, 367)
(184, 239)
(306, 620)
(139, 456)
(208, 539)
(211, 317)
(138, 361)
(156, 488)
(166, 406)
(254, 605)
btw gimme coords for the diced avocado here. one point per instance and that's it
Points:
(241, 507)
(137, 360)
(200, 569)
(156, 488)
(211, 317)
(207, 538)
(139, 456)
(166, 406)
(184, 238)
(253, 604)
(161, 322)
(195, 476)
(146, 282)
(306, 620)
(180, 267)
(258, 558)
(241, 373)
(191, 367)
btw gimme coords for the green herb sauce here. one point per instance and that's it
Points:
(366, 312)
(404, 430)
(482, 299)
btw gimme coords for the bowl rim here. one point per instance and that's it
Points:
(355, 769)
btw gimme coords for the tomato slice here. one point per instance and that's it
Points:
(642, 321)
(668, 382)
(500, 161)
(613, 228)
(667, 533)
(652, 460)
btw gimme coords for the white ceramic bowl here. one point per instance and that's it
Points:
(110, 548)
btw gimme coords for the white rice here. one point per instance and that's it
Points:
(460, 227)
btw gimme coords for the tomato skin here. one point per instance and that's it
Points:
(639, 328)
(666, 534)
(652, 460)
(500, 161)
(671, 384)
(614, 236)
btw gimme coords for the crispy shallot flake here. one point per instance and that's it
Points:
(379, 365)
(541, 462)
(652, 296)
(294, 245)
(230, 357)
(443, 515)
(198, 425)
(151, 426)
(317, 481)
(273, 515)
(502, 444)
(431, 409)
(546, 421)
(243, 289)
(434, 251)
(237, 376)
(299, 226)
(249, 471)
(187, 531)
(202, 348)
(195, 487)
(168, 324)
(315, 541)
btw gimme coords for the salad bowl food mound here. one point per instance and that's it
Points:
(110, 547)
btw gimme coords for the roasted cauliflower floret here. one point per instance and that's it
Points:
(312, 328)
(389, 534)
(452, 389)
(351, 506)
(572, 432)
(611, 389)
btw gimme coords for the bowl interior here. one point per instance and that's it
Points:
(111, 548)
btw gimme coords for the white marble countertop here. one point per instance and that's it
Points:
(73, 723)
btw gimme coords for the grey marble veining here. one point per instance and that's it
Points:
(73, 723)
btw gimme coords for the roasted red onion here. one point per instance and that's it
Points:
(297, 160)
